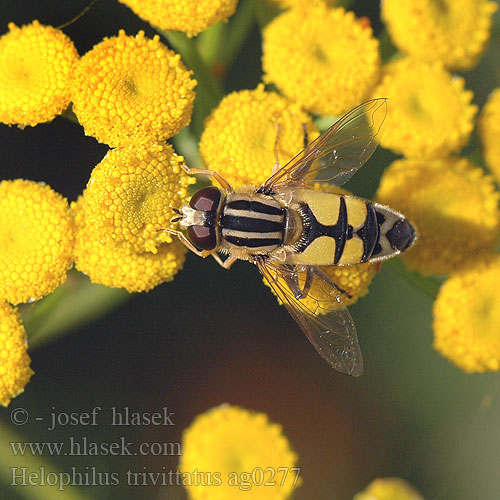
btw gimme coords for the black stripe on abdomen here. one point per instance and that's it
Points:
(250, 224)
(254, 206)
(252, 242)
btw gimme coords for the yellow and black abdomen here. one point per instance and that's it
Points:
(342, 230)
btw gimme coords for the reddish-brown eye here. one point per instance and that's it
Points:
(206, 199)
(203, 237)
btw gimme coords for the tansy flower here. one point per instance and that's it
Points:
(15, 371)
(129, 89)
(36, 240)
(36, 63)
(190, 16)
(429, 113)
(323, 58)
(131, 195)
(389, 489)
(112, 264)
(489, 131)
(233, 443)
(467, 317)
(240, 135)
(454, 207)
(353, 281)
(453, 32)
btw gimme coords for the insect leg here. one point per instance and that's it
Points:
(292, 281)
(277, 165)
(203, 171)
(327, 279)
(225, 264)
(188, 244)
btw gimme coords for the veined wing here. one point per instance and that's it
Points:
(321, 314)
(337, 153)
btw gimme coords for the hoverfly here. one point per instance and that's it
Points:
(288, 229)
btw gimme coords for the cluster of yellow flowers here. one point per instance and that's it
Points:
(453, 203)
(131, 93)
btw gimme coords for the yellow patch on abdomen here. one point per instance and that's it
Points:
(356, 211)
(324, 206)
(320, 252)
(353, 251)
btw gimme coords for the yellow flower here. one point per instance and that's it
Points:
(325, 59)
(15, 371)
(190, 16)
(36, 63)
(237, 446)
(240, 134)
(389, 489)
(430, 113)
(454, 207)
(467, 317)
(116, 265)
(36, 240)
(130, 89)
(131, 194)
(489, 131)
(453, 32)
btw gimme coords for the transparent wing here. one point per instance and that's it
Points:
(321, 314)
(337, 153)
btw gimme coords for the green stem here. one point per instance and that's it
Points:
(240, 28)
(186, 145)
(428, 286)
(74, 303)
(209, 91)
(209, 42)
(22, 466)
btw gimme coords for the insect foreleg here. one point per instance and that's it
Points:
(188, 244)
(212, 173)
(225, 264)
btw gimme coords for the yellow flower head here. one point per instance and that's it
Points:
(453, 32)
(112, 264)
(489, 131)
(235, 445)
(131, 195)
(325, 59)
(129, 89)
(467, 317)
(15, 371)
(190, 16)
(36, 240)
(36, 63)
(454, 207)
(389, 489)
(240, 134)
(430, 113)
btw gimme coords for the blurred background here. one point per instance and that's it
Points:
(213, 336)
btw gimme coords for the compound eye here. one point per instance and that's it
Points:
(206, 199)
(203, 237)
